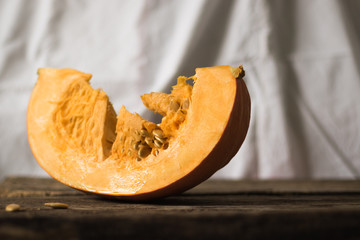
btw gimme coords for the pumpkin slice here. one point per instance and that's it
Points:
(77, 138)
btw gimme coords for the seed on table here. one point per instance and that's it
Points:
(13, 207)
(56, 205)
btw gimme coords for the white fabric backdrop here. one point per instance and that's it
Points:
(302, 60)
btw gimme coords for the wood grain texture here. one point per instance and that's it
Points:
(213, 210)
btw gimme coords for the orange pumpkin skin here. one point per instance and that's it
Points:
(174, 170)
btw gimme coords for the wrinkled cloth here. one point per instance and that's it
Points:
(302, 62)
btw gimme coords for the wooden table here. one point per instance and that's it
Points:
(213, 210)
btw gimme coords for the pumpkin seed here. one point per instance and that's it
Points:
(144, 151)
(110, 138)
(183, 111)
(138, 159)
(144, 133)
(13, 207)
(181, 118)
(158, 133)
(166, 145)
(158, 143)
(186, 104)
(162, 140)
(136, 145)
(56, 205)
(174, 106)
(156, 152)
(149, 142)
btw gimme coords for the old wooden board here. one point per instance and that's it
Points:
(213, 210)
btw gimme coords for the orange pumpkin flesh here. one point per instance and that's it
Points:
(77, 138)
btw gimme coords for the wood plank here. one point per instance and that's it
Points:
(213, 210)
(27, 186)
